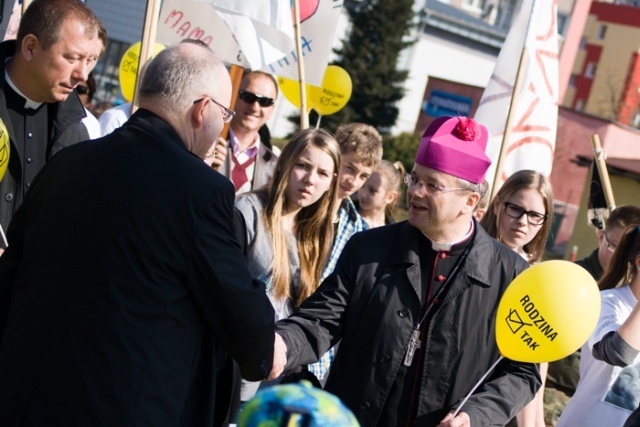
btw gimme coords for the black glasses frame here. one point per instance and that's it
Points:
(511, 210)
(250, 98)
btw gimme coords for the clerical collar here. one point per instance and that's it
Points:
(29, 103)
(446, 247)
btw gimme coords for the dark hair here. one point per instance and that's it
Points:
(622, 264)
(91, 85)
(45, 19)
(623, 216)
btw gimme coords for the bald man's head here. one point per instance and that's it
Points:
(182, 73)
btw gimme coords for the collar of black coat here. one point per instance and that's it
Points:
(485, 253)
(156, 125)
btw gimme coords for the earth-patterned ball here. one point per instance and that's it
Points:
(295, 405)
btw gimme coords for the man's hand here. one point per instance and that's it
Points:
(461, 420)
(215, 156)
(279, 357)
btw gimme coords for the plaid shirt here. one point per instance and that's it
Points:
(349, 223)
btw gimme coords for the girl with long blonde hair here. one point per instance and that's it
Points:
(289, 229)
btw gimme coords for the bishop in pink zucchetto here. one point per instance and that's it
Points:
(455, 146)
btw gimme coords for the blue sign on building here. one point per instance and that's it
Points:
(446, 104)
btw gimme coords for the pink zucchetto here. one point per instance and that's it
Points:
(455, 146)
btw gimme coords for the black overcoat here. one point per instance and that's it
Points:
(372, 301)
(125, 281)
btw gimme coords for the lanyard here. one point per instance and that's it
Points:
(414, 342)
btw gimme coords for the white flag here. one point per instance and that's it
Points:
(262, 28)
(534, 119)
(318, 24)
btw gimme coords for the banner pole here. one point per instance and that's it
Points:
(602, 169)
(507, 128)
(304, 117)
(146, 48)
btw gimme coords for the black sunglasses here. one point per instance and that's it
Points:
(82, 90)
(250, 98)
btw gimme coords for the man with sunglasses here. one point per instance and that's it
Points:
(415, 303)
(246, 159)
(58, 44)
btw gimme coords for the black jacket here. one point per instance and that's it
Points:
(126, 282)
(372, 301)
(66, 129)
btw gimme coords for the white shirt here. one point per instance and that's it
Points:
(606, 395)
(114, 117)
(92, 125)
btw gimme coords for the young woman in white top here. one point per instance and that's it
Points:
(520, 216)
(609, 387)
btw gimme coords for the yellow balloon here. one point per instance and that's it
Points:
(4, 149)
(291, 90)
(129, 68)
(547, 312)
(334, 93)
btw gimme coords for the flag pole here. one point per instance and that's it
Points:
(507, 128)
(602, 170)
(304, 116)
(146, 48)
(514, 100)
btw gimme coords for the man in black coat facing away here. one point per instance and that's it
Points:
(123, 268)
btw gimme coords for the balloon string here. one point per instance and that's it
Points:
(318, 121)
(477, 384)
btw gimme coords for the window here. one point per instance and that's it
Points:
(590, 70)
(473, 4)
(563, 20)
(579, 105)
(601, 32)
(572, 80)
(583, 43)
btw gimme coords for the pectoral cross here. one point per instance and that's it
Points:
(414, 344)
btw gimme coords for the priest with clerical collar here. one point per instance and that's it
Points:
(58, 44)
(414, 304)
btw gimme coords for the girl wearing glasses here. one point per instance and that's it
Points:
(289, 231)
(609, 386)
(520, 216)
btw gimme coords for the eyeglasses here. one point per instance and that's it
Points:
(429, 187)
(515, 211)
(250, 98)
(610, 246)
(83, 90)
(227, 114)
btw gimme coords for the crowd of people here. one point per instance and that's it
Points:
(156, 273)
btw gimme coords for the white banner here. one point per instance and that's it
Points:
(262, 28)
(180, 19)
(532, 136)
(319, 20)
